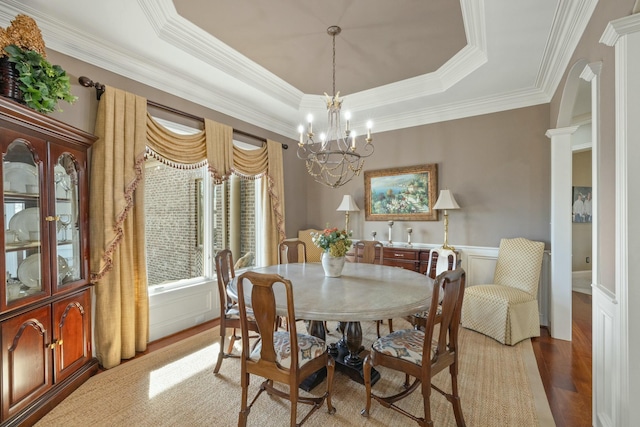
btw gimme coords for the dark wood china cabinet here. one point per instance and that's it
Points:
(45, 297)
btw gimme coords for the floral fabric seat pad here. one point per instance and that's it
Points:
(425, 314)
(234, 313)
(309, 347)
(405, 344)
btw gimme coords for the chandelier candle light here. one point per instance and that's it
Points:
(338, 156)
(446, 201)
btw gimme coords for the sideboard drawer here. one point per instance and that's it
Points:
(404, 258)
(403, 254)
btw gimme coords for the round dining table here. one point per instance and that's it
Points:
(363, 292)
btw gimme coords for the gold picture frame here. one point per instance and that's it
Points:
(402, 194)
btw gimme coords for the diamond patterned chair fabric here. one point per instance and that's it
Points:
(421, 354)
(314, 253)
(285, 357)
(507, 310)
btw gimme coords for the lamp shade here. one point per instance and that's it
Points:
(445, 201)
(348, 205)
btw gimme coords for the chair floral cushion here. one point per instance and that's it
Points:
(234, 313)
(405, 344)
(309, 347)
(425, 314)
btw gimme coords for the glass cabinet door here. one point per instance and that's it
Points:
(22, 234)
(67, 214)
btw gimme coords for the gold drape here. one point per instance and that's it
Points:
(125, 132)
(117, 228)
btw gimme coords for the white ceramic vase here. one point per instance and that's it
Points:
(332, 265)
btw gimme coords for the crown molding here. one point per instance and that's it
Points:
(571, 19)
(278, 107)
(184, 35)
(460, 110)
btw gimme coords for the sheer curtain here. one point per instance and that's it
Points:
(118, 261)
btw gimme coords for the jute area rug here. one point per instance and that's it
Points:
(175, 386)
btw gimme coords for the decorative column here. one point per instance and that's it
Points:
(624, 34)
(561, 246)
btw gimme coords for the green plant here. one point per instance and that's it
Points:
(41, 83)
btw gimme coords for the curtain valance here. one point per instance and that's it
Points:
(126, 132)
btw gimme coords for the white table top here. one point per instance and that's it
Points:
(363, 292)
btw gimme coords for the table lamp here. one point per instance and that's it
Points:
(347, 205)
(446, 201)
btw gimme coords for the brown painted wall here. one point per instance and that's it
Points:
(496, 165)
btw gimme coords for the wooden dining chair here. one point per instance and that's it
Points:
(229, 310)
(291, 251)
(421, 355)
(371, 252)
(281, 356)
(439, 260)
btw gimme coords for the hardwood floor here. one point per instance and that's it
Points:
(565, 367)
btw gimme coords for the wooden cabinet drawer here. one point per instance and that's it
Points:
(404, 258)
(406, 264)
(401, 254)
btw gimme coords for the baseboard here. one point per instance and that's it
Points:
(581, 281)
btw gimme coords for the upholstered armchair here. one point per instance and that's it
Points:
(507, 310)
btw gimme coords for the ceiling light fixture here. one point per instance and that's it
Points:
(338, 156)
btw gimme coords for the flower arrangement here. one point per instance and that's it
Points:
(333, 241)
(41, 83)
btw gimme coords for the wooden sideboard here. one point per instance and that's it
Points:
(414, 258)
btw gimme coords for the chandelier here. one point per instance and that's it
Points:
(337, 155)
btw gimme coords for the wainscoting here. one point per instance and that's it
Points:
(175, 308)
(606, 338)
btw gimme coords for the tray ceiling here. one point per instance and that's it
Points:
(268, 62)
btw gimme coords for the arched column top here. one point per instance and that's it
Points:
(591, 71)
(551, 133)
(619, 28)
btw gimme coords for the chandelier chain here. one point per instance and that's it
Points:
(334, 65)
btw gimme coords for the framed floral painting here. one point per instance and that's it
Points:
(403, 194)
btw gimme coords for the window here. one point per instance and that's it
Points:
(171, 218)
(188, 219)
